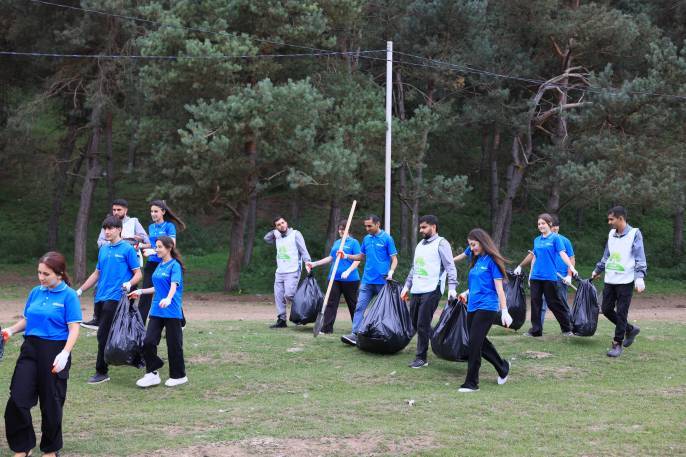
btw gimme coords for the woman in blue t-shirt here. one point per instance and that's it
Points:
(346, 281)
(166, 312)
(164, 223)
(485, 300)
(51, 327)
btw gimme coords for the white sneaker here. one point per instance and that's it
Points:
(171, 382)
(466, 390)
(149, 380)
(502, 381)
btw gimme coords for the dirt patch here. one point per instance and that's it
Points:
(364, 445)
(537, 355)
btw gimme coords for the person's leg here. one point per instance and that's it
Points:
(363, 299)
(624, 294)
(332, 307)
(610, 296)
(174, 336)
(150, 343)
(108, 309)
(477, 334)
(290, 286)
(52, 391)
(536, 303)
(427, 308)
(488, 351)
(23, 396)
(559, 309)
(280, 296)
(145, 301)
(544, 308)
(350, 290)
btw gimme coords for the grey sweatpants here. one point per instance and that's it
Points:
(285, 285)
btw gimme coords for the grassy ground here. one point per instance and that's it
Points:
(247, 382)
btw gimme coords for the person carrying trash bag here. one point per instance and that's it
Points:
(166, 312)
(625, 266)
(291, 252)
(484, 298)
(116, 271)
(450, 337)
(50, 324)
(585, 309)
(433, 262)
(125, 342)
(387, 327)
(307, 301)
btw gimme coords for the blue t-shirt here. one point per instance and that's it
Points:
(482, 293)
(378, 250)
(352, 246)
(164, 228)
(116, 264)
(559, 264)
(49, 311)
(546, 250)
(162, 279)
(468, 252)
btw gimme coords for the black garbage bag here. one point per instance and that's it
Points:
(307, 301)
(450, 337)
(515, 296)
(125, 342)
(585, 309)
(387, 327)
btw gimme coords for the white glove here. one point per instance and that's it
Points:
(640, 285)
(345, 274)
(165, 302)
(136, 294)
(518, 270)
(389, 275)
(126, 286)
(60, 361)
(452, 294)
(505, 318)
(404, 294)
(567, 280)
(148, 252)
(79, 292)
(573, 270)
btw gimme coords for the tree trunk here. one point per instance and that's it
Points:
(111, 192)
(89, 184)
(295, 211)
(66, 150)
(232, 275)
(553, 204)
(495, 183)
(419, 171)
(133, 143)
(250, 229)
(332, 226)
(515, 176)
(404, 211)
(678, 228)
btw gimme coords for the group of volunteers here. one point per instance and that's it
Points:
(52, 314)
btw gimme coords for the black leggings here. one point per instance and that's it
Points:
(479, 323)
(539, 288)
(349, 290)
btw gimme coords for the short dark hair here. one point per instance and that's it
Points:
(429, 219)
(373, 217)
(277, 217)
(342, 223)
(120, 202)
(556, 220)
(617, 211)
(111, 222)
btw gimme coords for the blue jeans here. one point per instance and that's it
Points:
(561, 288)
(367, 292)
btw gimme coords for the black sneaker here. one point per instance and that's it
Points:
(350, 339)
(533, 335)
(631, 336)
(98, 378)
(280, 323)
(616, 350)
(92, 324)
(418, 363)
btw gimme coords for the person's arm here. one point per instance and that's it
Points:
(137, 276)
(600, 266)
(394, 264)
(90, 282)
(460, 257)
(356, 257)
(302, 247)
(166, 301)
(526, 260)
(446, 254)
(138, 292)
(73, 336)
(408, 284)
(638, 250)
(102, 241)
(140, 233)
(270, 237)
(18, 327)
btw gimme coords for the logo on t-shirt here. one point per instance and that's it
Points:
(420, 266)
(282, 253)
(61, 305)
(614, 262)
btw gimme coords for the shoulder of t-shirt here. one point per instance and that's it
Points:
(34, 291)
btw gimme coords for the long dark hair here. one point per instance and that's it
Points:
(341, 225)
(168, 213)
(57, 263)
(168, 243)
(489, 247)
(547, 218)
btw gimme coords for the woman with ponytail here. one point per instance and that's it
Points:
(164, 223)
(51, 327)
(166, 312)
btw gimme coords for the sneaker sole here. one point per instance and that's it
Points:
(348, 341)
(467, 391)
(422, 366)
(176, 385)
(149, 385)
(98, 382)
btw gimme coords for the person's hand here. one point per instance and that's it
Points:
(518, 271)
(126, 286)
(60, 361)
(165, 302)
(7, 334)
(640, 285)
(594, 275)
(505, 318)
(342, 255)
(345, 274)
(277, 234)
(389, 275)
(567, 280)
(405, 294)
(148, 252)
(135, 294)
(573, 271)
(79, 292)
(462, 298)
(309, 266)
(452, 294)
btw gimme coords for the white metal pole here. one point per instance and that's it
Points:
(389, 107)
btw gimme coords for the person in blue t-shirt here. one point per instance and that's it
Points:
(485, 301)
(116, 271)
(51, 327)
(166, 312)
(164, 223)
(380, 260)
(544, 277)
(346, 281)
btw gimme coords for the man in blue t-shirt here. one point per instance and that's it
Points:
(117, 270)
(380, 260)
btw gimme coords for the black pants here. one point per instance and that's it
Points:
(107, 310)
(349, 290)
(174, 337)
(479, 323)
(33, 381)
(619, 296)
(539, 288)
(422, 309)
(146, 300)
